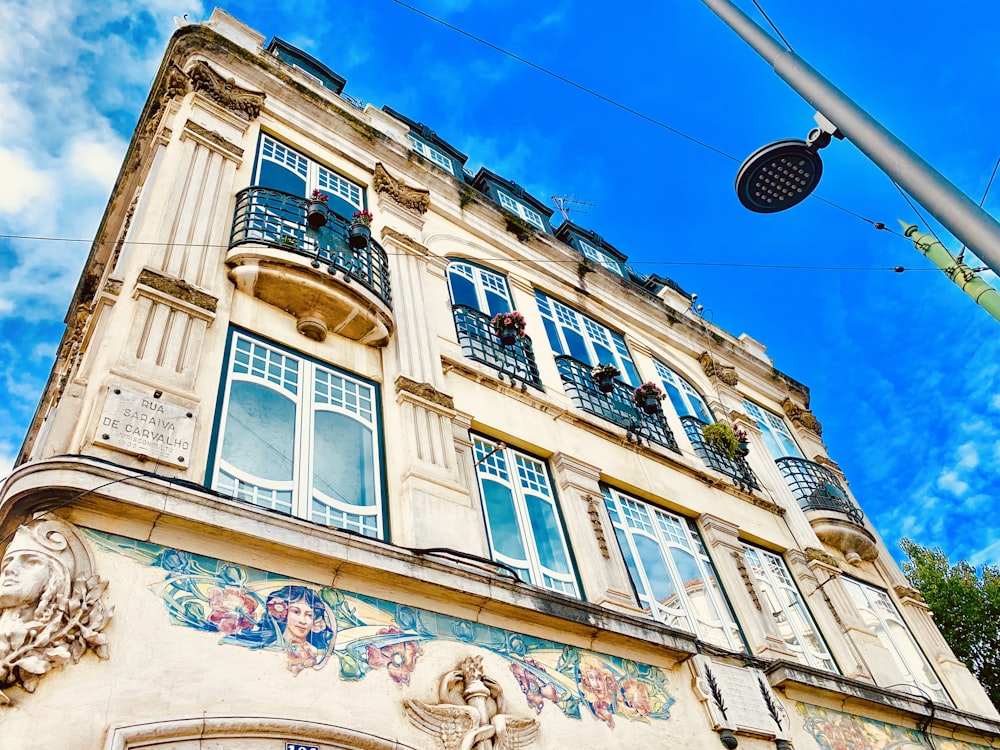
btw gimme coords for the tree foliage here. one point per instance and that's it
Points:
(966, 607)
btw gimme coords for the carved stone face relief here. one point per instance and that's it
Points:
(50, 604)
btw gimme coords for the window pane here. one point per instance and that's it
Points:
(463, 291)
(502, 520)
(548, 536)
(343, 465)
(260, 431)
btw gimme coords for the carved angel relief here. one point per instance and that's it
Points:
(471, 713)
(50, 604)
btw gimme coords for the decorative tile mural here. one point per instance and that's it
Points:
(317, 626)
(835, 730)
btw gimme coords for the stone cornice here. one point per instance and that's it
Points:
(425, 391)
(177, 288)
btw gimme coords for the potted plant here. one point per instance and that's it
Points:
(361, 229)
(743, 442)
(316, 211)
(648, 397)
(509, 326)
(724, 439)
(604, 376)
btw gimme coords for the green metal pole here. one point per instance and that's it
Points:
(968, 281)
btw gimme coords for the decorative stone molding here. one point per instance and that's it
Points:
(471, 713)
(723, 373)
(595, 520)
(813, 553)
(214, 139)
(50, 604)
(908, 592)
(388, 233)
(113, 287)
(802, 417)
(830, 464)
(224, 92)
(414, 199)
(741, 564)
(425, 391)
(178, 289)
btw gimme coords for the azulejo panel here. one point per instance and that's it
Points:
(319, 626)
(835, 730)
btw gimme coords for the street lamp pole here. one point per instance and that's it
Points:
(962, 217)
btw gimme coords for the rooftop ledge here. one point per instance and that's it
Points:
(105, 496)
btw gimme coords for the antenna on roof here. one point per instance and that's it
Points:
(563, 204)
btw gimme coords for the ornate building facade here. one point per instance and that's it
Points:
(348, 447)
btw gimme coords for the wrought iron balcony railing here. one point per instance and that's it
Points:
(271, 217)
(815, 487)
(480, 342)
(617, 406)
(736, 468)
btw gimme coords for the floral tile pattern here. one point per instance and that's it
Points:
(316, 626)
(834, 730)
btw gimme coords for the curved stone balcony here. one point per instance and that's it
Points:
(834, 517)
(311, 273)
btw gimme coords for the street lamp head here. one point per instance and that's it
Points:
(778, 176)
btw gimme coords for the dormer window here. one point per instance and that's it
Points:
(516, 207)
(429, 152)
(601, 257)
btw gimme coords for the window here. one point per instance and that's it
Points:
(777, 437)
(516, 207)
(883, 619)
(299, 437)
(686, 400)
(522, 521)
(479, 288)
(600, 257)
(670, 570)
(281, 168)
(573, 334)
(429, 152)
(781, 598)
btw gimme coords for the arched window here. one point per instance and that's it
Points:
(478, 288)
(684, 397)
(777, 437)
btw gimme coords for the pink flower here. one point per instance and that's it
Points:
(399, 659)
(232, 609)
(635, 698)
(535, 691)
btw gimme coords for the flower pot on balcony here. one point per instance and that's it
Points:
(509, 335)
(742, 449)
(359, 235)
(649, 404)
(605, 383)
(316, 214)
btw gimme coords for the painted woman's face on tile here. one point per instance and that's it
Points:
(300, 622)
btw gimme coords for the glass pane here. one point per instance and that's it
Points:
(502, 520)
(664, 590)
(463, 291)
(343, 465)
(278, 177)
(577, 346)
(548, 537)
(496, 302)
(260, 431)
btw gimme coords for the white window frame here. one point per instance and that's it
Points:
(312, 387)
(774, 431)
(633, 519)
(515, 206)
(316, 176)
(523, 474)
(881, 616)
(601, 258)
(783, 600)
(481, 278)
(561, 315)
(689, 395)
(431, 153)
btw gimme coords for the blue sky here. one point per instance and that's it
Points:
(903, 367)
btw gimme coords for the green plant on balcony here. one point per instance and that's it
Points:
(726, 440)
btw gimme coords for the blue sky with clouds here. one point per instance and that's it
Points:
(904, 369)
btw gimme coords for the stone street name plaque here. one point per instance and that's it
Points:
(745, 705)
(145, 424)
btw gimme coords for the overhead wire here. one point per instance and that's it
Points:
(774, 266)
(607, 99)
(982, 202)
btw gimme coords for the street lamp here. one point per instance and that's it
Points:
(778, 176)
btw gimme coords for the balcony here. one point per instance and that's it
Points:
(480, 342)
(309, 272)
(736, 469)
(616, 407)
(833, 515)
